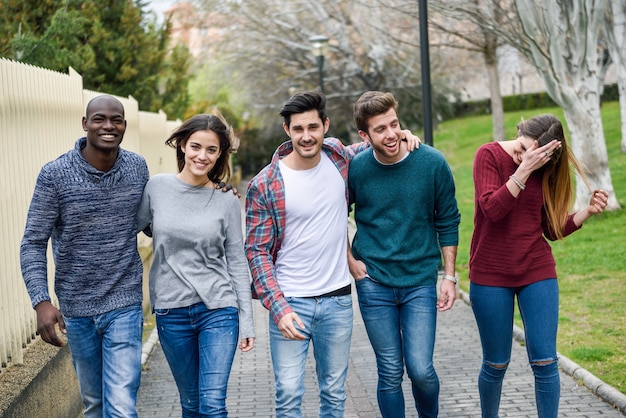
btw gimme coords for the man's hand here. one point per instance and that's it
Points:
(226, 187)
(413, 142)
(47, 317)
(447, 295)
(287, 327)
(358, 270)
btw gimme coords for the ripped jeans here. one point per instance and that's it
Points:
(539, 307)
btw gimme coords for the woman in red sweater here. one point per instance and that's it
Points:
(523, 193)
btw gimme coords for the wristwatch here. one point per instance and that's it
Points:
(453, 279)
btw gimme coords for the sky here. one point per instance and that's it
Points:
(160, 6)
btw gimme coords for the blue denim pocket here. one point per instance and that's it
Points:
(344, 301)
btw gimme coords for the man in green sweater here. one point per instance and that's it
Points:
(406, 216)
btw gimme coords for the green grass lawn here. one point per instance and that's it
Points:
(591, 263)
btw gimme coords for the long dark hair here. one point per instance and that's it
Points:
(204, 122)
(557, 183)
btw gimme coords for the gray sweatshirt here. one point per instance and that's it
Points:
(198, 248)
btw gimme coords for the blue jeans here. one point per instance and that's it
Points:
(328, 325)
(106, 353)
(539, 307)
(401, 324)
(199, 345)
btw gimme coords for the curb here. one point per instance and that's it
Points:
(595, 385)
(601, 389)
(148, 346)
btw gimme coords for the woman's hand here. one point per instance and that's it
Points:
(597, 204)
(246, 344)
(536, 157)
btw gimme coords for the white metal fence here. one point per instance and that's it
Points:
(40, 119)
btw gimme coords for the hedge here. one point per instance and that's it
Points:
(521, 102)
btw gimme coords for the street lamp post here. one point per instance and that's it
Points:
(319, 46)
(425, 60)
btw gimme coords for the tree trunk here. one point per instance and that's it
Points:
(616, 31)
(563, 47)
(490, 53)
(588, 143)
(621, 84)
(497, 111)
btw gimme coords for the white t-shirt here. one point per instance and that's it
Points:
(312, 259)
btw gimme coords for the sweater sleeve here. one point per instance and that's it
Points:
(569, 228)
(42, 215)
(448, 215)
(493, 197)
(144, 212)
(238, 270)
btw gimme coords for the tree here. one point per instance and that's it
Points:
(174, 77)
(24, 16)
(114, 44)
(615, 26)
(561, 39)
(266, 45)
(64, 32)
(453, 21)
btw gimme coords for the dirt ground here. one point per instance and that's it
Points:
(15, 377)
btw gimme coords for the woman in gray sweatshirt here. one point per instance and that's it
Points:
(199, 278)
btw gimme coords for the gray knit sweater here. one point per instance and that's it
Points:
(90, 216)
(198, 248)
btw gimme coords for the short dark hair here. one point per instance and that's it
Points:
(303, 102)
(204, 122)
(372, 103)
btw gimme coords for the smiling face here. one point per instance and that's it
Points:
(384, 133)
(306, 131)
(201, 150)
(104, 124)
(520, 146)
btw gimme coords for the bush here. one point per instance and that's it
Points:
(610, 93)
(519, 102)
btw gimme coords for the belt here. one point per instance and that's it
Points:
(346, 290)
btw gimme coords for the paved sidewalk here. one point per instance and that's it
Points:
(457, 361)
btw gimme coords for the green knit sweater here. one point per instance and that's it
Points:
(404, 213)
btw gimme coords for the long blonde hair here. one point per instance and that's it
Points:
(557, 176)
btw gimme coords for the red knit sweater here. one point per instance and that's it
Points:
(508, 246)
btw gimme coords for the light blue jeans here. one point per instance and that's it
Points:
(199, 345)
(328, 325)
(106, 353)
(539, 307)
(401, 324)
